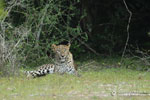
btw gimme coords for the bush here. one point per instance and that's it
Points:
(31, 26)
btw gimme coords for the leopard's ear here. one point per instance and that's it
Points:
(53, 47)
(68, 45)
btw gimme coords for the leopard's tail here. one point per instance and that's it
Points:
(31, 74)
(40, 72)
(35, 73)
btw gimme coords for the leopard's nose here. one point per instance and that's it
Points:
(62, 56)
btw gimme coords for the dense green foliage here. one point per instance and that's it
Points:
(43, 23)
(102, 23)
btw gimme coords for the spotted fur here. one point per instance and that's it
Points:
(64, 63)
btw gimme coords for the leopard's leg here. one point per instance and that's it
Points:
(73, 71)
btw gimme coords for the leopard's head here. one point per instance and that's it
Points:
(61, 52)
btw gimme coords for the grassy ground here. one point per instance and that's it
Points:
(109, 83)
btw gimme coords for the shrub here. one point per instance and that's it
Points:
(31, 26)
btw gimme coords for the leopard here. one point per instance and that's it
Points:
(63, 63)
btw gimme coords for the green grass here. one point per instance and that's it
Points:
(100, 79)
(92, 85)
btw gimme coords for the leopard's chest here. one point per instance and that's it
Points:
(61, 68)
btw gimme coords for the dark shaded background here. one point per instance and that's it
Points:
(108, 21)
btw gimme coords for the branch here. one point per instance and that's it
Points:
(128, 26)
(87, 46)
(41, 23)
(18, 42)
